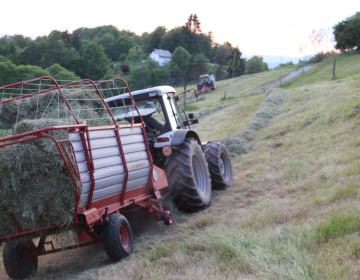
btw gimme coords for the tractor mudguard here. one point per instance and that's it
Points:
(176, 138)
(181, 134)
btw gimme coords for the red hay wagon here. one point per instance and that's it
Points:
(109, 164)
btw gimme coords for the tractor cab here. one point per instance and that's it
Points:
(166, 123)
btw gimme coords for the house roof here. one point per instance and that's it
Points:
(163, 53)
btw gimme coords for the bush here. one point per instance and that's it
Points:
(255, 65)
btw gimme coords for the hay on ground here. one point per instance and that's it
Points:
(242, 141)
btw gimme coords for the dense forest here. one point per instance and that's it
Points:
(105, 52)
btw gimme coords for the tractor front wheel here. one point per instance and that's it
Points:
(20, 262)
(117, 237)
(188, 177)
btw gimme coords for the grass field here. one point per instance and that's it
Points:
(293, 210)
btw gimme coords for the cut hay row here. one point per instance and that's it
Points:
(205, 111)
(241, 142)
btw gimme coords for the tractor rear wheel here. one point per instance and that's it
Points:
(219, 162)
(117, 237)
(19, 260)
(188, 177)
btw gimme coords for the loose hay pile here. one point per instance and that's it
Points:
(241, 142)
(35, 184)
(205, 111)
(86, 105)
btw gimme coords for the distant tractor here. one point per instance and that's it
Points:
(206, 83)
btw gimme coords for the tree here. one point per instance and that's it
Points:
(159, 76)
(31, 54)
(201, 64)
(66, 37)
(223, 54)
(181, 57)
(172, 39)
(7, 73)
(69, 59)
(20, 40)
(236, 64)
(153, 40)
(76, 41)
(52, 52)
(12, 51)
(60, 73)
(346, 32)
(55, 35)
(10, 73)
(135, 54)
(94, 63)
(107, 41)
(175, 73)
(191, 30)
(256, 65)
(140, 78)
(122, 46)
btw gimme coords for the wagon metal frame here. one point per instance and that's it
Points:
(89, 213)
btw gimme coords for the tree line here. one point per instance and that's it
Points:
(105, 51)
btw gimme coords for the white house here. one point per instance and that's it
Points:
(161, 56)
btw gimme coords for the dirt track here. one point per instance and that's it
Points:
(280, 81)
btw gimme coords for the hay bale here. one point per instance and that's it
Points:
(35, 184)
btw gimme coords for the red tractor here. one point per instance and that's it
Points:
(206, 83)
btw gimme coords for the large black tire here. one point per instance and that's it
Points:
(188, 177)
(19, 262)
(117, 237)
(219, 162)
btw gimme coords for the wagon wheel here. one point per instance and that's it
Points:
(117, 237)
(19, 260)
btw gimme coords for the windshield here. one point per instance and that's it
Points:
(177, 113)
(149, 108)
(204, 79)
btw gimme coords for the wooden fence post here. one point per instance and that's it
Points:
(185, 101)
(334, 68)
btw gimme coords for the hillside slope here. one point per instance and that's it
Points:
(293, 210)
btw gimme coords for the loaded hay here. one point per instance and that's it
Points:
(85, 103)
(36, 186)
